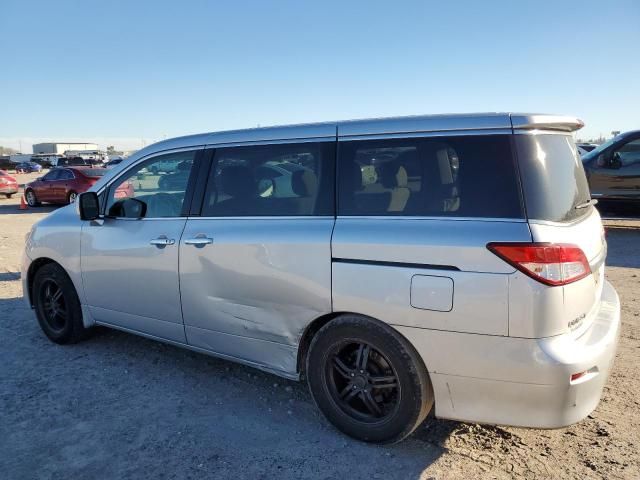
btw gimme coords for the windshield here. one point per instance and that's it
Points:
(553, 179)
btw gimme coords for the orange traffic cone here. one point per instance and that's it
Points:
(23, 204)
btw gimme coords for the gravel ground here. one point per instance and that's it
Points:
(120, 406)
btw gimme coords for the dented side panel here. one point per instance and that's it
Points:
(262, 279)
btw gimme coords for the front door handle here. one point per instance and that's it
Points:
(199, 240)
(162, 241)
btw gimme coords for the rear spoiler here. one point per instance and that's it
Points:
(545, 122)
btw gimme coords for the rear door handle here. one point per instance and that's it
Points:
(199, 240)
(162, 241)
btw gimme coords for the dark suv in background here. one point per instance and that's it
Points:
(613, 169)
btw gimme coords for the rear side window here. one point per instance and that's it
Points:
(93, 172)
(271, 180)
(465, 176)
(553, 178)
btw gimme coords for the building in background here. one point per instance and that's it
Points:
(62, 147)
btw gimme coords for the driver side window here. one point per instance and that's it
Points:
(628, 154)
(154, 189)
(52, 175)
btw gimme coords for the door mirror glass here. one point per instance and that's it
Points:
(88, 206)
(128, 208)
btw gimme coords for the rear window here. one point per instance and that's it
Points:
(93, 172)
(553, 178)
(462, 176)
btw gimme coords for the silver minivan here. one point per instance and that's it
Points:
(452, 263)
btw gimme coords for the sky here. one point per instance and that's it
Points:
(127, 73)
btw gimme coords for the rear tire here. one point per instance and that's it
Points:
(57, 305)
(8, 195)
(71, 197)
(368, 380)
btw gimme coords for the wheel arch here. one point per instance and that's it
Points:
(31, 273)
(314, 327)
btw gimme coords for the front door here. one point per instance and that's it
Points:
(45, 188)
(616, 172)
(255, 267)
(130, 264)
(60, 186)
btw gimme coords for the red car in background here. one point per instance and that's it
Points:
(62, 185)
(8, 184)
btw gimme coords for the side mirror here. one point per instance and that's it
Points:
(88, 206)
(128, 208)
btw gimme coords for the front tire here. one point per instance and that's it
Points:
(32, 200)
(368, 380)
(57, 305)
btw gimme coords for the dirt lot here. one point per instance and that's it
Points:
(119, 406)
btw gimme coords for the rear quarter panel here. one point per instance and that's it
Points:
(375, 260)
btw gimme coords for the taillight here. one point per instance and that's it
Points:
(549, 263)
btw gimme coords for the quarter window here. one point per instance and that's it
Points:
(466, 176)
(158, 185)
(271, 180)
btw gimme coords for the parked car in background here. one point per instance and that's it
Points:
(62, 185)
(28, 167)
(75, 162)
(587, 147)
(113, 163)
(331, 252)
(8, 184)
(47, 160)
(613, 168)
(6, 163)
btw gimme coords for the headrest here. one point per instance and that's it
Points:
(402, 179)
(238, 181)
(444, 165)
(304, 183)
(393, 176)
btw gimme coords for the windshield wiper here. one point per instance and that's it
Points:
(588, 203)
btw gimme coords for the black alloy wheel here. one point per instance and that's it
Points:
(54, 306)
(367, 379)
(362, 382)
(57, 305)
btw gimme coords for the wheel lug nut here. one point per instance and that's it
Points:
(353, 374)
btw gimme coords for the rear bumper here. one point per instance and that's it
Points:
(11, 189)
(518, 381)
